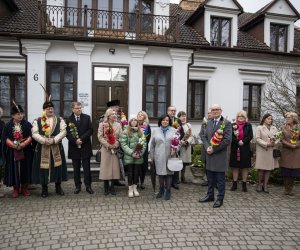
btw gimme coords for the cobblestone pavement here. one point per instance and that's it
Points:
(246, 220)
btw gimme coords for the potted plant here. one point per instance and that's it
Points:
(197, 167)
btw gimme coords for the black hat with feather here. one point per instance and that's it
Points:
(48, 103)
(16, 108)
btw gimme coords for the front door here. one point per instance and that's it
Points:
(109, 84)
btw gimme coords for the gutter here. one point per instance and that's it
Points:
(26, 69)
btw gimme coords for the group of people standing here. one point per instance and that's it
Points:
(34, 154)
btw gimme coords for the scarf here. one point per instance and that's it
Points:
(164, 130)
(46, 151)
(241, 129)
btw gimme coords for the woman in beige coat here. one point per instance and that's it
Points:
(265, 143)
(290, 152)
(109, 132)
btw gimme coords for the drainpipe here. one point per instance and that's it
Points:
(26, 66)
(188, 74)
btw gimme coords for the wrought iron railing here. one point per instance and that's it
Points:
(69, 21)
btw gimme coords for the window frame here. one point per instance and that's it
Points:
(219, 40)
(203, 86)
(277, 27)
(12, 94)
(168, 87)
(249, 112)
(62, 65)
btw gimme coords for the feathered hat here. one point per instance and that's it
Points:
(16, 108)
(113, 103)
(48, 103)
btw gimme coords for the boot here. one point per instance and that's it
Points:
(16, 191)
(135, 192)
(106, 187)
(130, 192)
(259, 187)
(25, 190)
(182, 175)
(58, 189)
(44, 191)
(244, 186)
(291, 186)
(160, 193)
(112, 188)
(168, 194)
(234, 186)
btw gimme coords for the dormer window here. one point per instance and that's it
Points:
(278, 37)
(220, 31)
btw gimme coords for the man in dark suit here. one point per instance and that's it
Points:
(216, 139)
(79, 132)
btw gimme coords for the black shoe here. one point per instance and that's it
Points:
(119, 184)
(207, 199)
(234, 186)
(77, 190)
(175, 186)
(106, 188)
(44, 191)
(204, 184)
(160, 193)
(142, 186)
(89, 190)
(113, 191)
(168, 194)
(218, 203)
(244, 187)
(58, 189)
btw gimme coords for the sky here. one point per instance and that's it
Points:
(255, 5)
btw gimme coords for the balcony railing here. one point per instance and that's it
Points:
(84, 22)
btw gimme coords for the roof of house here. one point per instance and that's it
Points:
(25, 22)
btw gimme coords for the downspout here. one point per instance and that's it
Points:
(26, 66)
(188, 75)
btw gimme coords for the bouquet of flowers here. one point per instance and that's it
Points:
(45, 125)
(123, 120)
(294, 136)
(186, 136)
(109, 135)
(175, 143)
(218, 136)
(139, 147)
(17, 134)
(235, 128)
(175, 124)
(74, 132)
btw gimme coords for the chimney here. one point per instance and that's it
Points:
(190, 4)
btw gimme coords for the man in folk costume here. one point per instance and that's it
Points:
(49, 163)
(17, 152)
(79, 132)
(216, 138)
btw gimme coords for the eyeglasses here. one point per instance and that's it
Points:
(215, 109)
(78, 108)
(172, 110)
(241, 116)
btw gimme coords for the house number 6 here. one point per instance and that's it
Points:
(36, 77)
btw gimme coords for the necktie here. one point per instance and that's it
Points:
(215, 123)
(78, 119)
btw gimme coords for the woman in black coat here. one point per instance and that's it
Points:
(240, 156)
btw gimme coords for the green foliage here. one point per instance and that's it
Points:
(252, 176)
(196, 156)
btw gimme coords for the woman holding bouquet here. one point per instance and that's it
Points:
(17, 152)
(240, 155)
(133, 143)
(186, 148)
(265, 143)
(145, 126)
(290, 153)
(109, 132)
(160, 151)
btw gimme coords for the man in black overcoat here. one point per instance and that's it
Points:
(79, 132)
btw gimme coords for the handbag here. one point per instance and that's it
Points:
(98, 156)
(174, 164)
(276, 153)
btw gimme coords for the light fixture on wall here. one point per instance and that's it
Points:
(112, 51)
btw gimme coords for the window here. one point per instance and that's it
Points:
(62, 85)
(252, 100)
(220, 32)
(156, 97)
(278, 37)
(12, 87)
(196, 98)
(145, 8)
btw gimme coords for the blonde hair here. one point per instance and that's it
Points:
(146, 118)
(242, 113)
(1, 112)
(108, 113)
(129, 130)
(294, 117)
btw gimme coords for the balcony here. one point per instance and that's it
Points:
(84, 22)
